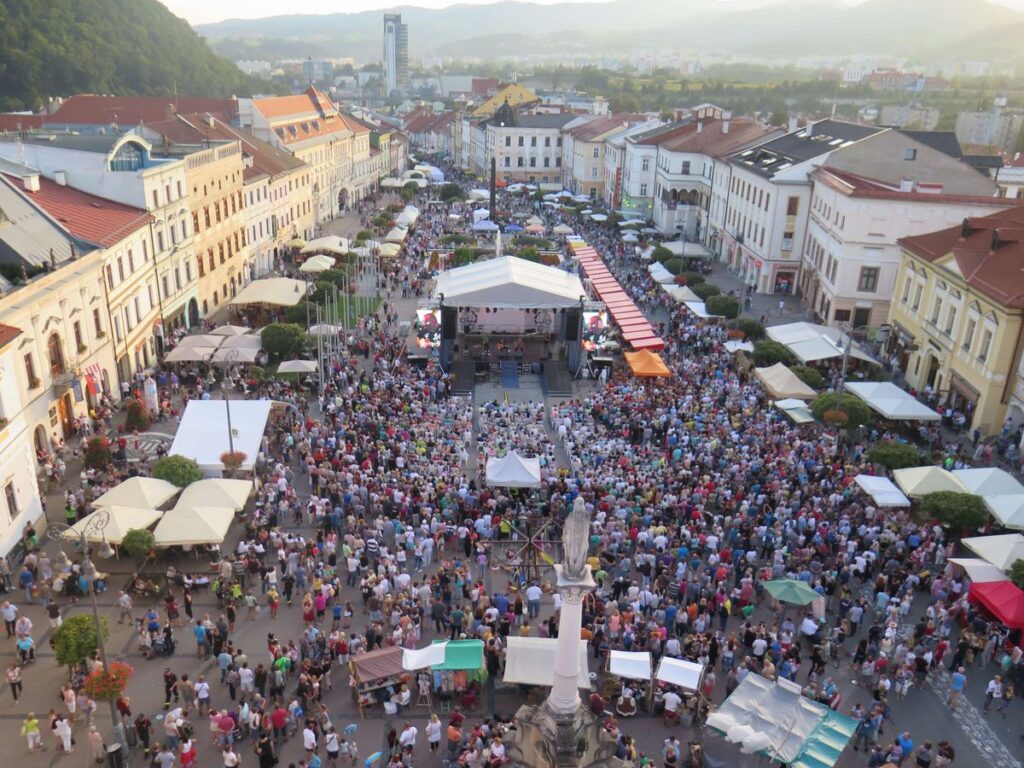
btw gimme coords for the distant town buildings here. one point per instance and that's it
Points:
(396, 53)
(913, 116)
(999, 127)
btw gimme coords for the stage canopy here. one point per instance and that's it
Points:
(1003, 599)
(978, 570)
(810, 342)
(989, 481)
(508, 283)
(531, 661)
(203, 432)
(890, 401)
(145, 492)
(513, 471)
(1002, 550)
(276, 291)
(781, 383)
(216, 492)
(647, 364)
(920, 481)
(882, 490)
(631, 665)
(192, 526)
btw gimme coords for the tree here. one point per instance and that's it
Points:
(300, 313)
(97, 453)
(282, 339)
(723, 306)
(322, 289)
(751, 328)
(706, 291)
(769, 352)
(409, 190)
(808, 376)
(959, 511)
(451, 191)
(692, 278)
(894, 455)
(177, 470)
(852, 409)
(137, 543)
(1016, 573)
(75, 640)
(661, 254)
(136, 416)
(463, 256)
(363, 235)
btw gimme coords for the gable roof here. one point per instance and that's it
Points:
(597, 128)
(710, 137)
(945, 142)
(91, 109)
(8, 333)
(507, 117)
(811, 141)
(987, 251)
(856, 185)
(309, 102)
(17, 121)
(89, 218)
(31, 236)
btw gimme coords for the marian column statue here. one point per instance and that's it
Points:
(576, 540)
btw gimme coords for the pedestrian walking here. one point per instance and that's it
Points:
(957, 683)
(14, 680)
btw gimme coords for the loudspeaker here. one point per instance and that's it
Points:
(572, 325)
(449, 322)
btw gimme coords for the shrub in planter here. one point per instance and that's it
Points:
(894, 455)
(281, 339)
(674, 265)
(75, 639)
(136, 416)
(725, 306)
(752, 328)
(363, 235)
(232, 460)
(706, 290)
(97, 453)
(857, 412)
(693, 278)
(662, 254)
(959, 511)
(108, 686)
(808, 376)
(177, 470)
(768, 353)
(137, 543)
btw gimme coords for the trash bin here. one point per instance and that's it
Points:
(115, 757)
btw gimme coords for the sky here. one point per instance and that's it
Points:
(204, 11)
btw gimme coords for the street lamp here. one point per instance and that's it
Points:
(846, 355)
(95, 525)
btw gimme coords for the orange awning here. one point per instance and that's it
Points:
(647, 364)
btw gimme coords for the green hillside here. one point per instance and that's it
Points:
(63, 47)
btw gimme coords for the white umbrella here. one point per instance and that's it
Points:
(562, 229)
(586, 211)
(534, 229)
(189, 354)
(324, 329)
(142, 492)
(535, 220)
(120, 520)
(598, 217)
(631, 223)
(319, 263)
(297, 366)
(230, 330)
(629, 237)
(216, 492)
(201, 340)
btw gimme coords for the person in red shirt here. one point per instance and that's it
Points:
(279, 719)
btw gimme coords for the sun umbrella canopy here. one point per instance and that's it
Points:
(629, 237)
(295, 242)
(216, 492)
(190, 526)
(230, 330)
(182, 354)
(319, 263)
(144, 492)
(1002, 551)
(920, 481)
(562, 229)
(989, 481)
(791, 591)
(297, 366)
(120, 520)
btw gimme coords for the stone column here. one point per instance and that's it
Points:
(564, 698)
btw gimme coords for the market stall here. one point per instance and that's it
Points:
(376, 678)
(531, 661)
(882, 491)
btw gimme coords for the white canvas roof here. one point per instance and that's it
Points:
(216, 492)
(882, 490)
(297, 366)
(660, 274)
(781, 383)
(396, 235)
(685, 674)
(920, 481)
(1007, 508)
(190, 526)
(513, 471)
(278, 291)
(327, 244)
(890, 401)
(979, 570)
(989, 481)
(687, 249)
(145, 492)
(190, 354)
(120, 520)
(319, 263)
(810, 342)
(203, 432)
(632, 665)
(798, 414)
(738, 346)
(509, 283)
(680, 293)
(420, 658)
(531, 661)
(1002, 551)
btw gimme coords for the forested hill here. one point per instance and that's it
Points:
(137, 47)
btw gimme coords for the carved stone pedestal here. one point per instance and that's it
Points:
(546, 739)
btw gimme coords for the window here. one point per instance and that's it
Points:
(685, 168)
(156, 199)
(508, 162)
(547, 141)
(12, 500)
(160, 241)
(120, 269)
(936, 310)
(950, 320)
(533, 162)
(522, 141)
(787, 241)
(519, 162)
(177, 278)
(906, 290)
(167, 286)
(110, 277)
(547, 162)
(645, 165)
(842, 316)
(910, 154)
(917, 296)
(597, 151)
(868, 281)
(508, 141)
(117, 327)
(30, 370)
(643, 190)
(972, 326)
(97, 326)
(55, 352)
(792, 206)
(986, 343)
(76, 328)
(180, 192)
(533, 141)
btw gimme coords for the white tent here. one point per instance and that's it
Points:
(700, 309)
(796, 410)
(739, 346)
(201, 340)
(479, 194)
(389, 250)
(396, 235)
(920, 481)
(216, 492)
(531, 661)
(598, 217)
(1008, 509)
(890, 401)
(327, 244)
(513, 471)
(680, 672)
(479, 214)
(681, 293)
(989, 481)
(780, 382)
(190, 526)
(297, 366)
(882, 490)
(659, 274)
(687, 249)
(810, 342)
(319, 263)
(230, 330)
(421, 658)
(485, 225)
(391, 184)
(1002, 551)
(631, 665)
(120, 520)
(562, 229)
(324, 329)
(629, 237)
(509, 283)
(978, 570)
(235, 355)
(406, 218)
(203, 432)
(248, 341)
(145, 492)
(189, 354)
(276, 291)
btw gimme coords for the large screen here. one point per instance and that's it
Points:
(595, 330)
(428, 328)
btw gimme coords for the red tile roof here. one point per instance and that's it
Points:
(12, 121)
(988, 251)
(855, 185)
(599, 126)
(303, 104)
(8, 333)
(711, 139)
(90, 109)
(87, 217)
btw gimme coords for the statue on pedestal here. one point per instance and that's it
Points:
(576, 540)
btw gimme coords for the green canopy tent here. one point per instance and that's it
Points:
(461, 655)
(791, 591)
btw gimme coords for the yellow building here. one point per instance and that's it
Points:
(957, 314)
(513, 94)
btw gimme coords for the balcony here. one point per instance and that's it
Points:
(62, 381)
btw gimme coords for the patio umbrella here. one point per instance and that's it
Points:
(598, 217)
(562, 229)
(230, 330)
(629, 237)
(791, 591)
(295, 242)
(216, 492)
(535, 220)
(145, 492)
(324, 329)
(120, 520)
(297, 366)
(535, 229)
(319, 263)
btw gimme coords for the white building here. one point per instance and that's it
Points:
(615, 159)
(527, 148)
(584, 144)
(396, 53)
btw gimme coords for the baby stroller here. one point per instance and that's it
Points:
(162, 646)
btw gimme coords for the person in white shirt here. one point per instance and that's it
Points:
(408, 736)
(309, 739)
(672, 701)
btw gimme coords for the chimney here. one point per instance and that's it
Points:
(726, 117)
(61, 178)
(965, 228)
(211, 121)
(794, 123)
(170, 111)
(810, 128)
(996, 241)
(700, 126)
(906, 185)
(31, 182)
